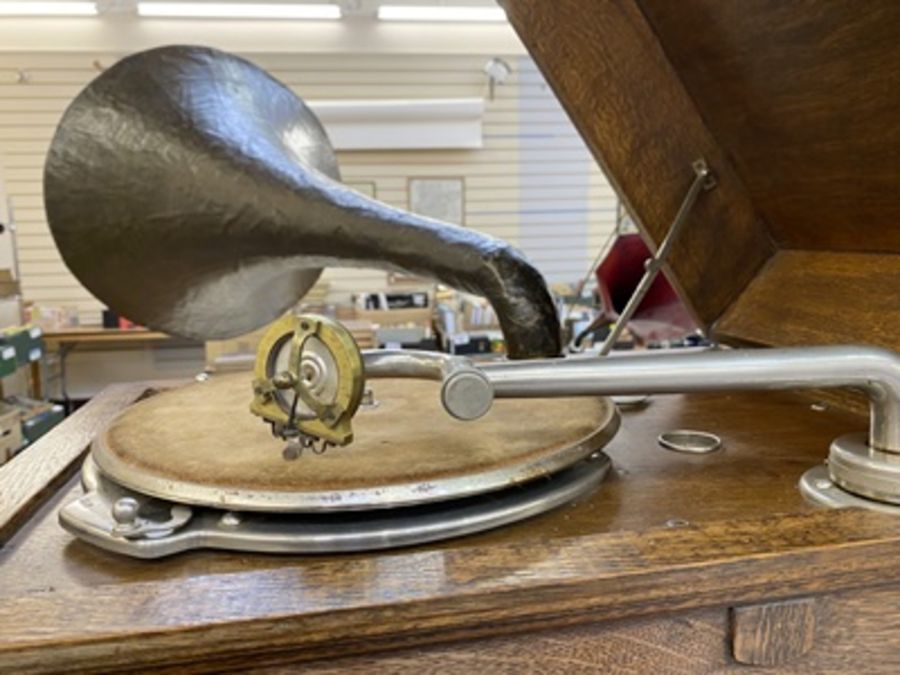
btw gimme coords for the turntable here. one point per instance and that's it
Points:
(537, 521)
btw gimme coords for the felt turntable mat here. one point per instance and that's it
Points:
(200, 444)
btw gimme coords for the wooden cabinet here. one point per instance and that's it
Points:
(677, 563)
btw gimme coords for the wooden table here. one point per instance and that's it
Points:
(65, 341)
(87, 335)
(678, 564)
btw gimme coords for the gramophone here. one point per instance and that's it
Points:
(195, 194)
(755, 145)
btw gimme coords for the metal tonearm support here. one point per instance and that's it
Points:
(868, 467)
(872, 370)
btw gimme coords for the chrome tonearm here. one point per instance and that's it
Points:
(872, 370)
(869, 467)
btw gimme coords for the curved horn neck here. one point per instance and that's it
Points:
(344, 226)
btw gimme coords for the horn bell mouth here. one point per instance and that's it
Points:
(158, 187)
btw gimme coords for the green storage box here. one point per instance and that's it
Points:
(38, 417)
(37, 425)
(8, 361)
(27, 341)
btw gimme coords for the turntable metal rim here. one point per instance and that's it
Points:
(285, 495)
(89, 518)
(398, 495)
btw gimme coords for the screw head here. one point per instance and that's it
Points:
(677, 522)
(230, 519)
(125, 510)
(284, 380)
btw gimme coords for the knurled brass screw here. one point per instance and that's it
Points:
(284, 380)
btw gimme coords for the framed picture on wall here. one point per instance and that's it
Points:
(441, 198)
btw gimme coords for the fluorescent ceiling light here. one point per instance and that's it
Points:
(439, 13)
(47, 8)
(231, 10)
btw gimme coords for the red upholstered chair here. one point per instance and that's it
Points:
(662, 315)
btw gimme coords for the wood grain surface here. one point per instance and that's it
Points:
(97, 334)
(605, 64)
(666, 533)
(686, 644)
(773, 633)
(804, 97)
(815, 297)
(794, 105)
(856, 632)
(35, 474)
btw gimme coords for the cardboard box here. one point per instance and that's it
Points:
(397, 317)
(10, 431)
(9, 286)
(10, 312)
(237, 353)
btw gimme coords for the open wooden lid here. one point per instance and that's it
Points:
(796, 109)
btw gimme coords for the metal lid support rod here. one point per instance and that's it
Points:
(704, 180)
